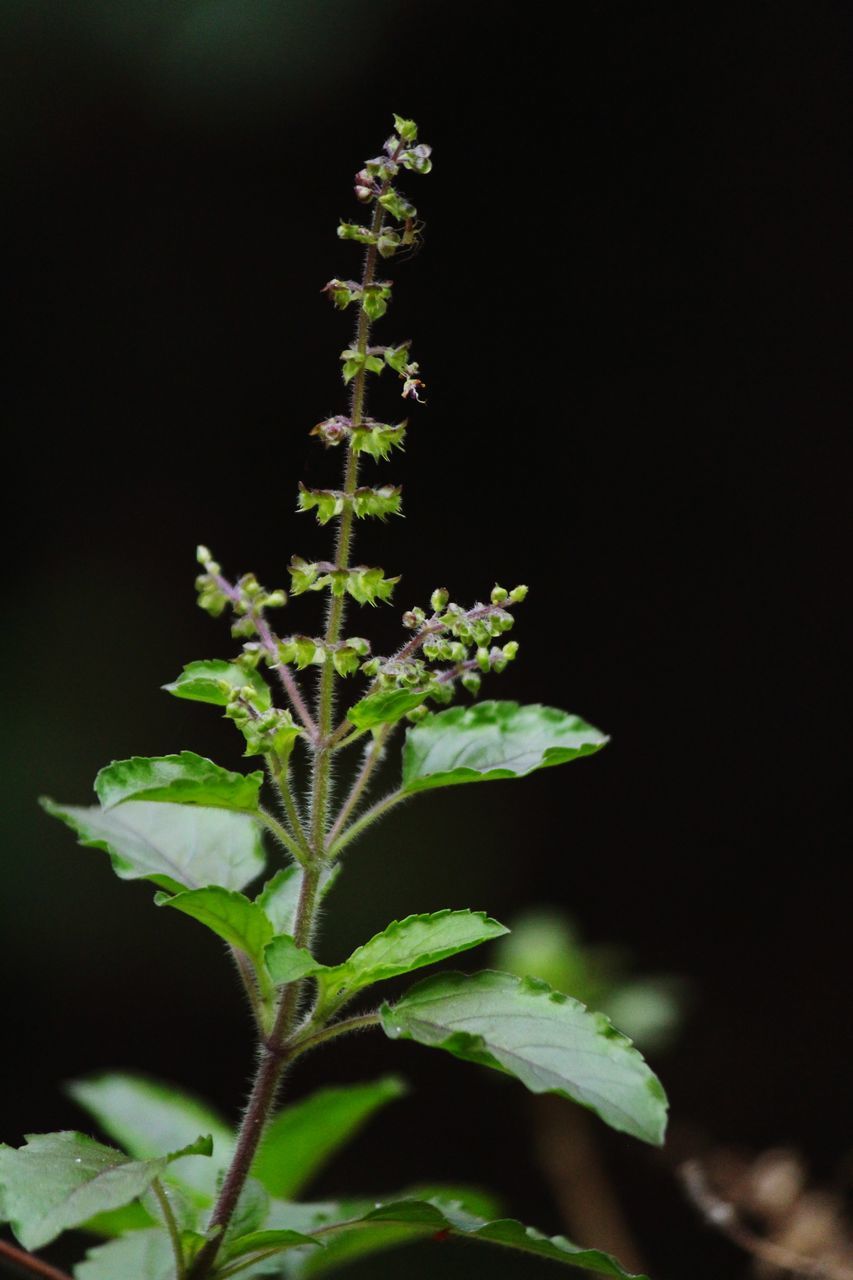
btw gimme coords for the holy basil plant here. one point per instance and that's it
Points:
(175, 1193)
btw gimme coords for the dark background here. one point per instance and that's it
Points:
(631, 309)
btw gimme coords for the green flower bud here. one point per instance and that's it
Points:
(518, 594)
(371, 668)
(471, 681)
(439, 599)
(407, 129)
(419, 713)
(510, 650)
(483, 660)
(499, 594)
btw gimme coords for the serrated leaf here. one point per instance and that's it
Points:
(142, 1255)
(147, 1117)
(182, 779)
(426, 1217)
(409, 944)
(304, 1136)
(549, 1041)
(386, 706)
(492, 740)
(59, 1180)
(363, 1228)
(213, 680)
(286, 962)
(176, 846)
(231, 915)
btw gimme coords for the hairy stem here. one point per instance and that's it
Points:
(274, 1058)
(358, 1022)
(372, 756)
(29, 1262)
(361, 824)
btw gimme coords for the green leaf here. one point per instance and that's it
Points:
(286, 962)
(428, 1217)
(359, 1228)
(215, 681)
(386, 706)
(279, 899)
(182, 779)
(304, 1136)
(177, 846)
(259, 1242)
(243, 924)
(59, 1180)
(492, 740)
(147, 1117)
(410, 944)
(549, 1041)
(142, 1255)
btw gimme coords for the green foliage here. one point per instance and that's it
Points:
(59, 1180)
(303, 1137)
(182, 779)
(145, 1118)
(231, 915)
(216, 682)
(144, 1255)
(177, 846)
(493, 740)
(549, 1041)
(195, 830)
(409, 944)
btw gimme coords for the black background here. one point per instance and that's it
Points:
(631, 308)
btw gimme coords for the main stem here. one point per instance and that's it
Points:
(274, 1059)
(274, 1055)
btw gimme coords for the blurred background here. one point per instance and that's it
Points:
(631, 307)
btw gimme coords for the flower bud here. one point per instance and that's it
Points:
(471, 681)
(439, 599)
(499, 594)
(518, 594)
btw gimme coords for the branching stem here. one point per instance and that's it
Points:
(372, 756)
(358, 1022)
(367, 819)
